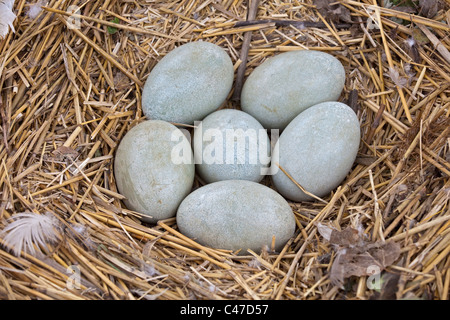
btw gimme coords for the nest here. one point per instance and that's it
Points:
(71, 79)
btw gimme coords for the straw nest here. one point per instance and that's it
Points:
(68, 95)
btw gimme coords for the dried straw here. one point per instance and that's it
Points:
(69, 95)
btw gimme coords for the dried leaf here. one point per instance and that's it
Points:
(355, 256)
(121, 81)
(28, 231)
(363, 260)
(325, 231)
(334, 11)
(429, 8)
(385, 252)
(346, 237)
(395, 76)
(62, 153)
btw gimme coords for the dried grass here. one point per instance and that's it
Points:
(68, 96)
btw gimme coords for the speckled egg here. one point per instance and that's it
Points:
(188, 83)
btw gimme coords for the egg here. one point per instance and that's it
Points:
(236, 215)
(285, 85)
(188, 83)
(231, 145)
(317, 149)
(154, 169)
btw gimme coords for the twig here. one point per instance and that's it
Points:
(286, 23)
(253, 9)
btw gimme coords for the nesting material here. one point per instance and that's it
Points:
(69, 95)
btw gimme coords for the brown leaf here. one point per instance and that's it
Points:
(355, 256)
(62, 153)
(346, 237)
(395, 76)
(334, 11)
(121, 81)
(385, 253)
(429, 8)
(363, 260)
